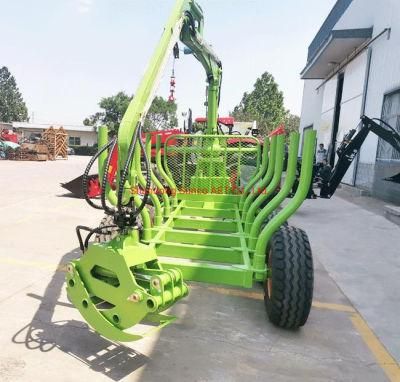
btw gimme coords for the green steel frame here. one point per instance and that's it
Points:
(214, 237)
(209, 236)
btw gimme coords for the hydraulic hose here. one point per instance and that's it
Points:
(148, 175)
(110, 211)
(83, 245)
(386, 124)
(138, 134)
(86, 175)
(127, 164)
(96, 230)
(107, 210)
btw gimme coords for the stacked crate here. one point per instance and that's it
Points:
(61, 143)
(49, 136)
(56, 140)
(29, 152)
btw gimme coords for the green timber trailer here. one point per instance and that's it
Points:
(189, 216)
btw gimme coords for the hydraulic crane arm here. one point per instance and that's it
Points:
(351, 146)
(192, 38)
(186, 23)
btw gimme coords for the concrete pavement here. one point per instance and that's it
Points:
(360, 249)
(222, 333)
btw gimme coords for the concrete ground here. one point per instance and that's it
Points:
(360, 249)
(222, 333)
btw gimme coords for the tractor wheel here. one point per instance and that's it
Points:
(271, 216)
(108, 234)
(111, 233)
(289, 287)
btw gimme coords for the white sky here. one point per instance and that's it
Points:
(67, 54)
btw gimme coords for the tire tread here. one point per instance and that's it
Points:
(292, 278)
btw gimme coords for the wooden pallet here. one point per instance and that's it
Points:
(57, 142)
(53, 145)
(30, 152)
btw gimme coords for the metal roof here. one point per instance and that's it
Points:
(339, 45)
(36, 126)
(324, 32)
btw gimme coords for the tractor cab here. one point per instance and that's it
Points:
(225, 124)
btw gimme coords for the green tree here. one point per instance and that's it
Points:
(161, 115)
(264, 104)
(114, 108)
(292, 122)
(12, 105)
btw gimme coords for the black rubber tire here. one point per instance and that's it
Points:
(107, 234)
(110, 233)
(291, 279)
(271, 216)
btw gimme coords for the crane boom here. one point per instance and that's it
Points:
(186, 24)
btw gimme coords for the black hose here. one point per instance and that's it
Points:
(124, 174)
(83, 245)
(78, 233)
(148, 176)
(86, 175)
(107, 210)
(128, 162)
(96, 230)
(386, 124)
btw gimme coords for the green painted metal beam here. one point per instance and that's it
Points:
(211, 272)
(202, 238)
(264, 182)
(250, 223)
(183, 222)
(258, 176)
(255, 225)
(200, 252)
(208, 213)
(301, 193)
(217, 198)
(158, 185)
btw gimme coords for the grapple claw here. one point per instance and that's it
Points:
(118, 286)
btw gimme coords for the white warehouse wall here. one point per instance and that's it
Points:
(384, 77)
(311, 105)
(351, 105)
(327, 111)
(385, 60)
(88, 138)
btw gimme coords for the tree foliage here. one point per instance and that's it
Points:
(114, 108)
(12, 105)
(161, 115)
(292, 122)
(264, 104)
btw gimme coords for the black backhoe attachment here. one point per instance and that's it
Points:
(351, 146)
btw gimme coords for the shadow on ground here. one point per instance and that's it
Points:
(74, 337)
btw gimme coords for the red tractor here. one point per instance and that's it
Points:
(9, 136)
(94, 188)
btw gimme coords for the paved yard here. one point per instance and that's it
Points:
(222, 334)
